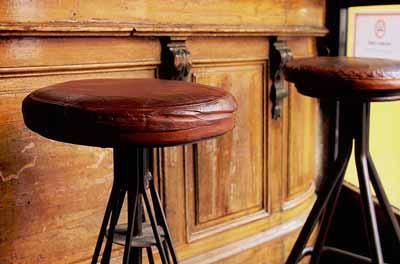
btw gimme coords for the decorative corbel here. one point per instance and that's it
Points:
(280, 55)
(176, 59)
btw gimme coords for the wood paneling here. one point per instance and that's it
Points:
(53, 195)
(151, 11)
(228, 176)
(235, 199)
(32, 56)
(301, 134)
(162, 18)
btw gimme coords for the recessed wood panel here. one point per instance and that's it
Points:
(210, 50)
(302, 143)
(228, 173)
(16, 53)
(169, 171)
(301, 135)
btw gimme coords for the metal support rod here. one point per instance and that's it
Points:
(340, 128)
(104, 224)
(353, 124)
(132, 212)
(325, 225)
(347, 254)
(155, 229)
(150, 255)
(142, 166)
(383, 200)
(133, 181)
(162, 220)
(367, 204)
(331, 182)
(133, 199)
(114, 219)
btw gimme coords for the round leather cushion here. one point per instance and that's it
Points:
(143, 112)
(346, 77)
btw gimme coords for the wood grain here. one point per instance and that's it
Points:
(53, 195)
(42, 181)
(302, 131)
(19, 53)
(172, 11)
(161, 18)
(221, 161)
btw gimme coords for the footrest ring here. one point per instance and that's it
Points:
(147, 238)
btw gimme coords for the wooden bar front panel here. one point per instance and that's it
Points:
(239, 198)
(228, 175)
(53, 195)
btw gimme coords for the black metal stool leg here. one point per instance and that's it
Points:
(361, 153)
(342, 130)
(136, 252)
(154, 225)
(132, 208)
(114, 219)
(162, 219)
(165, 246)
(133, 186)
(150, 255)
(330, 183)
(383, 200)
(104, 225)
(325, 225)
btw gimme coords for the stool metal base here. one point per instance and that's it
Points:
(133, 179)
(352, 124)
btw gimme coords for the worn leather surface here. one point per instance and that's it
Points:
(363, 78)
(146, 112)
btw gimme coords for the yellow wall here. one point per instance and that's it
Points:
(385, 148)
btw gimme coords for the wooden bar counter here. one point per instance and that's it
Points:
(240, 198)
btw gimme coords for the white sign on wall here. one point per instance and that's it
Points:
(374, 31)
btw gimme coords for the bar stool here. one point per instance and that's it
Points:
(132, 116)
(353, 83)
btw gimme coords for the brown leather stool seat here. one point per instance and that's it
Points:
(132, 116)
(145, 112)
(351, 84)
(346, 77)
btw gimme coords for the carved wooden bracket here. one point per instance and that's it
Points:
(280, 55)
(182, 60)
(176, 60)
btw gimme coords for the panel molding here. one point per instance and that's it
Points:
(117, 29)
(237, 247)
(16, 72)
(220, 62)
(247, 215)
(10, 73)
(196, 235)
(228, 30)
(299, 198)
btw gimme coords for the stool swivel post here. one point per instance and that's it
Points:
(132, 177)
